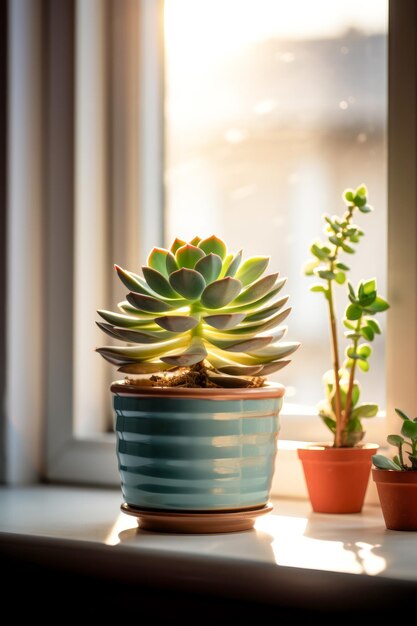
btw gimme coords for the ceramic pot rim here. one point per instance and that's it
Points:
(270, 390)
(394, 476)
(324, 452)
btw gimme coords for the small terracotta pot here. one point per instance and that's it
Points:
(336, 478)
(397, 493)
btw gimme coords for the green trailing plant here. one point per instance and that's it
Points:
(406, 444)
(202, 308)
(341, 411)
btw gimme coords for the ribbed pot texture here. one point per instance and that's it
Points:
(397, 493)
(196, 449)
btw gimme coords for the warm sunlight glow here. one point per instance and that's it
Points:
(218, 28)
(123, 522)
(294, 544)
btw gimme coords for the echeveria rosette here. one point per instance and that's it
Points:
(197, 302)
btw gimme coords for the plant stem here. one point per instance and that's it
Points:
(348, 405)
(336, 365)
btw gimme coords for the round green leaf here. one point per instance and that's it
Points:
(378, 305)
(401, 414)
(209, 267)
(340, 278)
(188, 283)
(353, 312)
(364, 350)
(215, 245)
(309, 267)
(395, 440)
(188, 255)
(348, 195)
(363, 365)
(220, 293)
(318, 289)
(374, 326)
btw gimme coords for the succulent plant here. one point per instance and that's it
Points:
(408, 437)
(198, 304)
(340, 411)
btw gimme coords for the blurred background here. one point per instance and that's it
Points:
(272, 109)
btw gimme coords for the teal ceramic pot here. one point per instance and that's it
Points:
(196, 449)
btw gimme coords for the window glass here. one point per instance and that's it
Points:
(272, 109)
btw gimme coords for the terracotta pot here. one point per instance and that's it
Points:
(336, 478)
(397, 493)
(183, 452)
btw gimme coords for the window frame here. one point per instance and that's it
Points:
(91, 459)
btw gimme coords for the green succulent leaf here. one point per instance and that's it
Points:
(409, 429)
(275, 351)
(267, 312)
(130, 280)
(176, 323)
(194, 354)
(273, 366)
(349, 195)
(157, 260)
(195, 241)
(363, 365)
(215, 245)
(395, 440)
(382, 462)
(220, 293)
(252, 269)
(368, 333)
(209, 267)
(176, 245)
(309, 267)
(240, 370)
(365, 209)
(149, 367)
(364, 350)
(342, 266)
(148, 303)
(325, 274)
(373, 324)
(378, 305)
(340, 278)
(320, 251)
(347, 248)
(364, 410)
(401, 414)
(224, 322)
(330, 423)
(188, 255)
(143, 336)
(124, 321)
(256, 290)
(230, 268)
(171, 263)
(158, 283)
(236, 345)
(353, 312)
(188, 283)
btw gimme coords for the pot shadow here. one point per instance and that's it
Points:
(249, 544)
(374, 549)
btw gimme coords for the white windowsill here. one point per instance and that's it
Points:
(289, 542)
